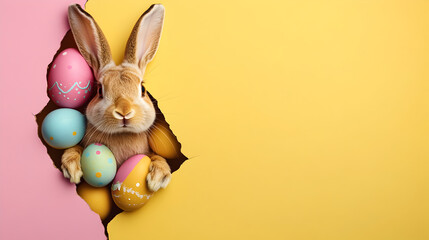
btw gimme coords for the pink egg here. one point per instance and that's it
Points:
(70, 79)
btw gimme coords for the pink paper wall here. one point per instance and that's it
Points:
(36, 202)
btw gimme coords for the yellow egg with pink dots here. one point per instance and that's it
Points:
(98, 165)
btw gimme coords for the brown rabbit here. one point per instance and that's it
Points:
(121, 112)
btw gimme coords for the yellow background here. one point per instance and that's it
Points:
(302, 119)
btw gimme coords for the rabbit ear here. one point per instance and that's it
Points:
(89, 38)
(144, 39)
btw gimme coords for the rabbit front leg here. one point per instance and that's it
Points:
(159, 173)
(70, 163)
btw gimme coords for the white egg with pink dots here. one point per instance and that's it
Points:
(70, 79)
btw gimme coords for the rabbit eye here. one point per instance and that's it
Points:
(100, 91)
(143, 90)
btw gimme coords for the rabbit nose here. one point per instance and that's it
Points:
(118, 114)
(123, 109)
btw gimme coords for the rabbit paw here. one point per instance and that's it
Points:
(159, 175)
(73, 172)
(70, 164)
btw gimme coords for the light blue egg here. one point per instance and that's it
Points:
(98, 165)
(63, 128)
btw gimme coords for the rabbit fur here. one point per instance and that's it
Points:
(121, 113)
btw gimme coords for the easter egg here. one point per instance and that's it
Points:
(98, 165)
(98, 199)
(129, 189)
(63, 128)
(163, 142)
(70, 79)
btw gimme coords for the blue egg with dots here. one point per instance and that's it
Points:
(63, 128)
(98, 165)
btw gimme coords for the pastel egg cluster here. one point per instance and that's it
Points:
(70, 79)
(98, 165)
(63, 128)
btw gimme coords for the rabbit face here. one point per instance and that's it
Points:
(121, 103)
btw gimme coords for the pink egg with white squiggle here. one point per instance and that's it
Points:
(70, 79)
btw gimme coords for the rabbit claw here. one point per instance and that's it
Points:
(72, 173)
(159, 175)
(70, 164)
